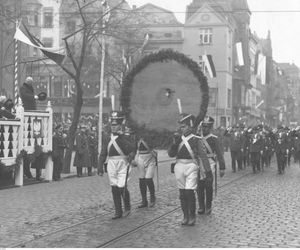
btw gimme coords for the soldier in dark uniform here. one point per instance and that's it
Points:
(93, 148)
(214, 154)
(59, 145)
(289, 142)
(119, 151)
(146, 160)
(296, 146)
(246, 151)
(281, 149)
(237, 145)
(191, 161)
(256, 147)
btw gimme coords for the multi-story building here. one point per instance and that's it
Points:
(210, 28)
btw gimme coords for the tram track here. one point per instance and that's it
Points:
(130, 232)
(121, 236)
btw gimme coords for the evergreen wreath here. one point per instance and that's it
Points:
(16, 164)
(161, 138)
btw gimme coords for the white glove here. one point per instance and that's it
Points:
(36, 97)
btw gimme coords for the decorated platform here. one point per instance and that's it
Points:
(30, 133)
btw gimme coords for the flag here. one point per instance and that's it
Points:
(208, 62)
(261, 68)
(239, 53)
(26, 37)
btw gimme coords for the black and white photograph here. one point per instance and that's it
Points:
(149, 124)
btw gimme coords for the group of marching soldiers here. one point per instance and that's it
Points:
(196, 151)
(256, 145)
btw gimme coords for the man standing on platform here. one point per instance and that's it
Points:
(214, 154)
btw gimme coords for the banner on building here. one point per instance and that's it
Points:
(23, 35)
(239, 53)
(261, 68)
(208, 62)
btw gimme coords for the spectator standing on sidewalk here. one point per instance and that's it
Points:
(82, 155)
(93, 147)
(59, 145)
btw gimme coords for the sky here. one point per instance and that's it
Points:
(281, 17)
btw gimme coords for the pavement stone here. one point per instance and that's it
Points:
(260, 210)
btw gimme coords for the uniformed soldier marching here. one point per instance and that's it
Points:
(256, 149)
(214, 153)
(281, 150)
(191, 160)
(146, 160)
(119, 151)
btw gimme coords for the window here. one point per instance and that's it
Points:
(205, 36)
(36, 18)
(202, 65)
(35, 51)
(48, 18)
(48, 42)
(213, 95)
(57, 87)
(229, 64)
(168, 35)
(228, 98)
(70, 27)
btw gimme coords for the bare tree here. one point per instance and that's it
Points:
(83, 47)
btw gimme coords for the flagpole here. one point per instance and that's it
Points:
(101, 85)
(16, 69)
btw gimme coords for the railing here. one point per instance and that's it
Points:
(30, 128)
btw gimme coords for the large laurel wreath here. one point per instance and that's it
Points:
(161, 56)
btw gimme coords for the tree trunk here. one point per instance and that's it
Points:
(72, 132)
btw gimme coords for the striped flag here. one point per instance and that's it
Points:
(208, 62)
(26, 37)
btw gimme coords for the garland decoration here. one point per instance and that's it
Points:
(161, 56)
(16, 164)
(38, 152)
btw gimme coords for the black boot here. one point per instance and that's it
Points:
(184, 206)
(143, 189)
(209, 196)
(151, 187)
(117, 201)
(191, 206)
(126, 198)
(201, 196)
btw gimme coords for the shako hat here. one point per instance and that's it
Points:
(116, 118)
(208, 121)
(187, 119)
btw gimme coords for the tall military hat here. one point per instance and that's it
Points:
(187, 119)
(208, 121)
(116, 118)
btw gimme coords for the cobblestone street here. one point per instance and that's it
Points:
(260, 210)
